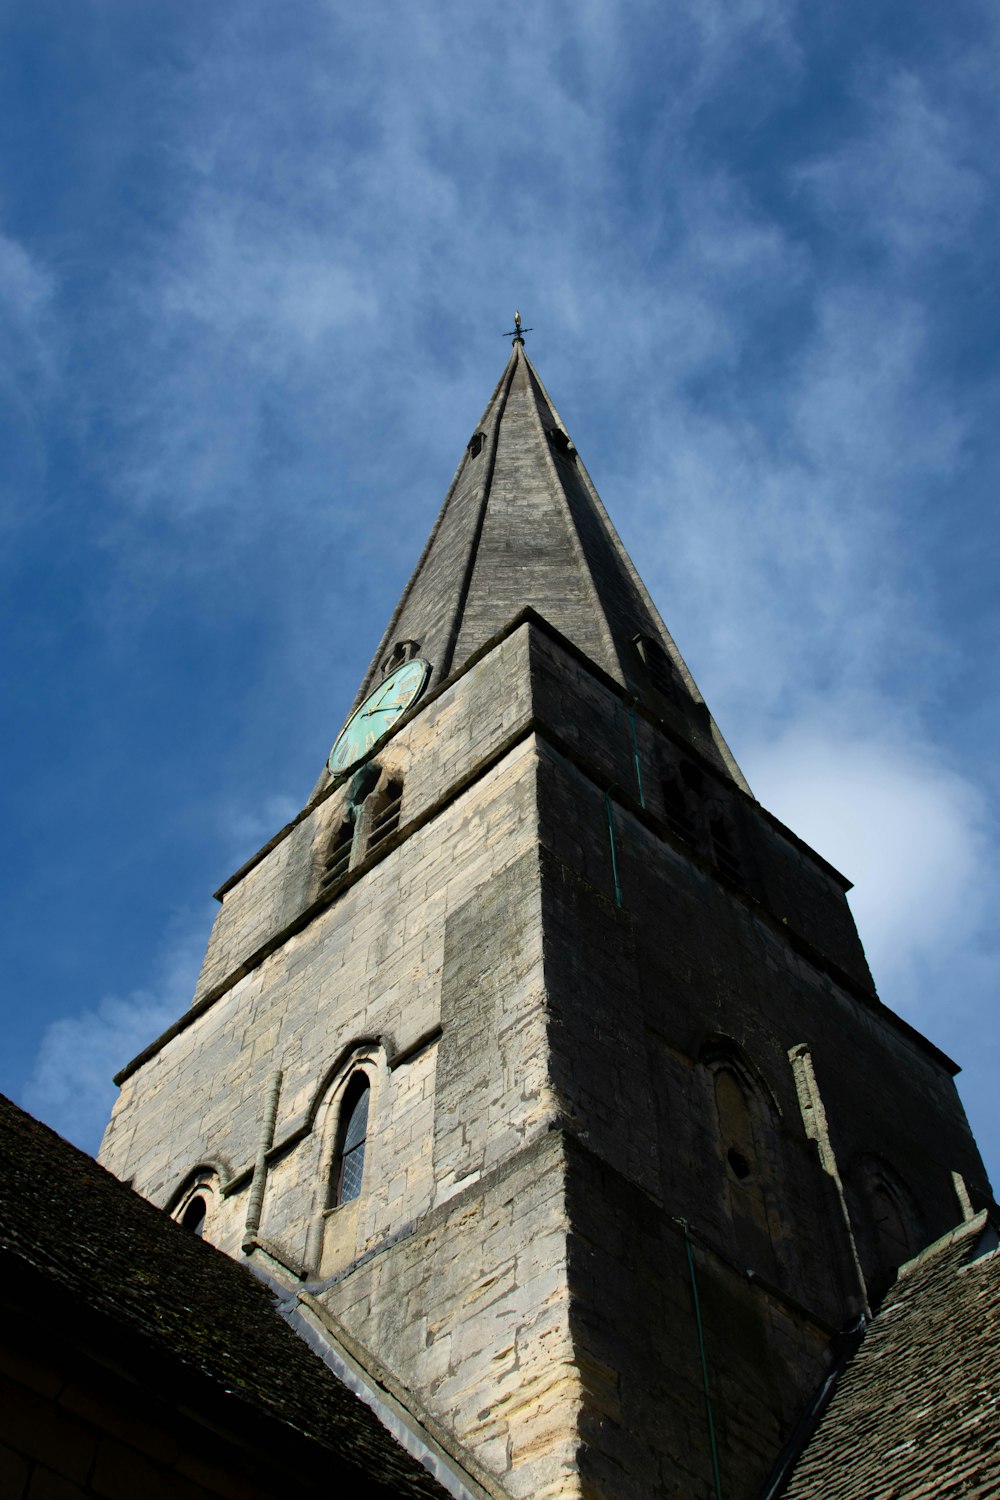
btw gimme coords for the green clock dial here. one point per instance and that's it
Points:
(376, 716)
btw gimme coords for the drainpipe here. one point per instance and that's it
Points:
(709, 1414)
(614, 851)
(635, 754)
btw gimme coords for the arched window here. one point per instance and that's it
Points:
(194, 1203)
(476, 442)
(735, 1127)
(349, 1158)
(889, 1217)
(747, 1122)
(887, 1220)
(193, 1217)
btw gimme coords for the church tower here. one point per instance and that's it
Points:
(534, 1061)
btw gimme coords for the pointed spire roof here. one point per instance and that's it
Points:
(522, 525)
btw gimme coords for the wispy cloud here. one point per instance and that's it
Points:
(31, 345)
(750, 244)
(906, 180)
(71, 1085)
(26, 290)
(788, 547)
(244, 829)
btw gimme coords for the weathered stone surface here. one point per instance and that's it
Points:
(545, 1069)
(573, 972)
(523, 526)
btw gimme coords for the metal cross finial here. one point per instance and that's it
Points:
(517, 332)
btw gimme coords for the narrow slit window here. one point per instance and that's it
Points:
(724, 845)
(476, 443)
(675, 810)
(338, 859)
(349, 1162)
(401, 652)
(658, 664)
(692, 777)
(385, 818)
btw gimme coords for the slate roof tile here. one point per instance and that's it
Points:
(109, 1252)
(914, 1415)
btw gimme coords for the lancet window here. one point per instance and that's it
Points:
(748, 1135)
(349, 1159)
(887, 1220)
(194, 1215)
(735, 1127)
(401, 652)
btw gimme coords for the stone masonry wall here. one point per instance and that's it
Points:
(592, 722)
(364, 977)
(466, 1304)
(448, 740)
(646, 1000)
(546, 1067)
(471, 1311)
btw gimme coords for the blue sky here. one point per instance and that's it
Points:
(254, 265)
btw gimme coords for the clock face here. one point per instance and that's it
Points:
(376, 716)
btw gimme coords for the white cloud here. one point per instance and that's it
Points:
(30, 342)
(245, 829)
(265, 288)
(904, 180)
(910, 833)
(345, 225)
(71, 1084)
(783, 541)
(25, 286)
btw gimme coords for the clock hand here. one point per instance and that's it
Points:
(381, 708)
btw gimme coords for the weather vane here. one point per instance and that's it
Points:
(517, 332)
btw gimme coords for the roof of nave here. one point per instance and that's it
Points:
(82, 1252)
(915, 1412)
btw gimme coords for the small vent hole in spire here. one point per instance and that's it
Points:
(401, 651)
(560, 441)
(476, 444)
(657, 664)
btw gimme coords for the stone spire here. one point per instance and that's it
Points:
(523, 526)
